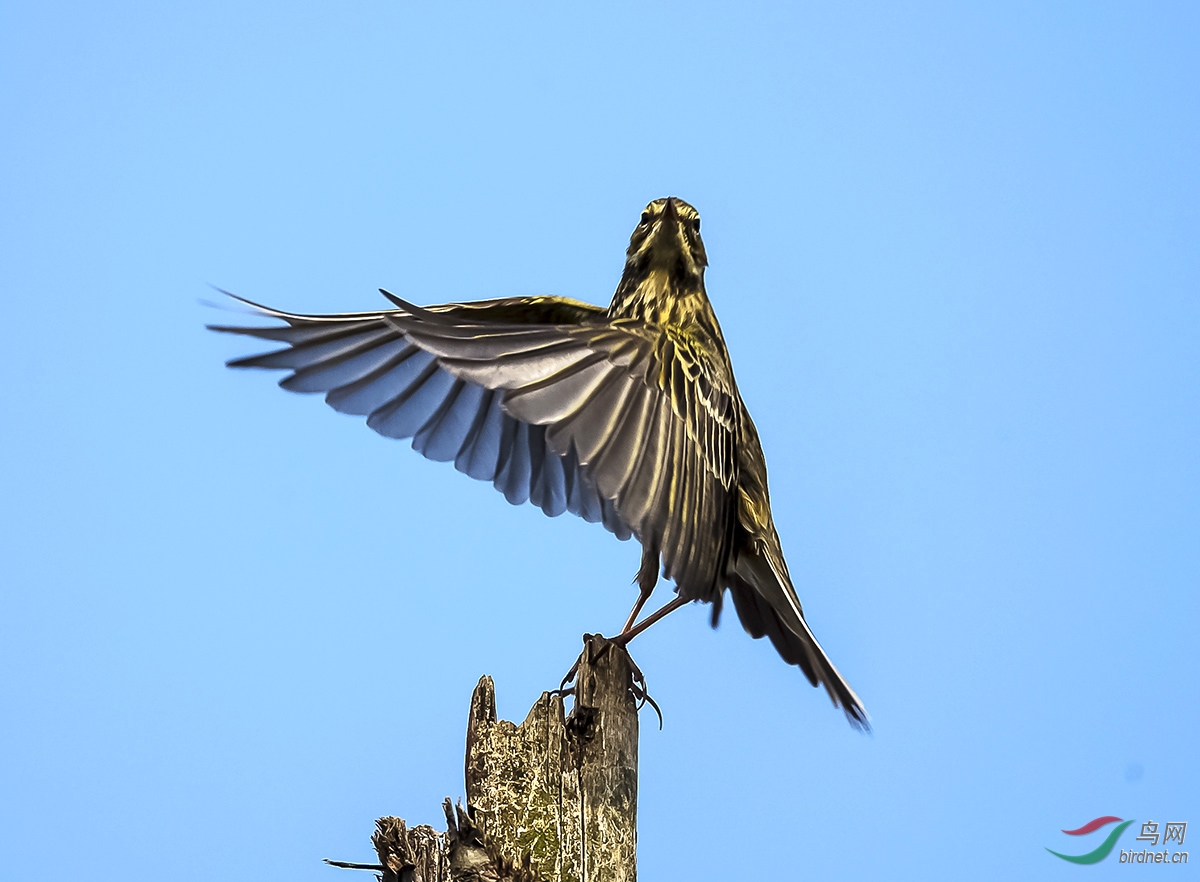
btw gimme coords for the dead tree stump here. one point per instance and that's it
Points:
(553, 799)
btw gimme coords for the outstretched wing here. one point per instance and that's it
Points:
(545, 398)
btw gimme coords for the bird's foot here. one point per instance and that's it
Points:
(637, 685)
(641, 693)
(569, 677)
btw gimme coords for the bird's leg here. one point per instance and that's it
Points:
(629, 633)
(637, 608)
(646, 578)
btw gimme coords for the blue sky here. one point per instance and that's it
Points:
(954, 252)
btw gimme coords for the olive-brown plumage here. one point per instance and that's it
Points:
(628, 416)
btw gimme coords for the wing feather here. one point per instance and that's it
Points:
(582, 499)
(513, 480)
(616, 460)
(556, 397)
(551, 487)
(404, 415)
(348, 367)
(480, 452)
(641, 494)
(325, 351)
(364, 396)
(443, 436)
(300, 331)
(605, 420)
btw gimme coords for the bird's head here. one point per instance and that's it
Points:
(667, 239)
(664, 266)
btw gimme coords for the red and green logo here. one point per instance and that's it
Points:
(1101, 851)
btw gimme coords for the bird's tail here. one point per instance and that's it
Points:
(768, 606)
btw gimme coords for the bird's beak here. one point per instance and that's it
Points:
(669, 234)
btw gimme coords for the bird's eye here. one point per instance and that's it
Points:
(646, 217)
(696, 224)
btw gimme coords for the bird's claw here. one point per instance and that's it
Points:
(641, 693)
(637, 686)
(570, 675)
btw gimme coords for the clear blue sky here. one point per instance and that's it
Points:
(956, 253)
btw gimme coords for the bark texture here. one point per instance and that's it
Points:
(562, 790)
(551, 800)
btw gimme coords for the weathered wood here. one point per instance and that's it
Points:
(562, 790)
(410, 855)
(604, 725)
(475, 856)
(551, 800)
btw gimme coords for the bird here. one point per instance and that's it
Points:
(628, 416)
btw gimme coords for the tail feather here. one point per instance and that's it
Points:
(767, 606)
